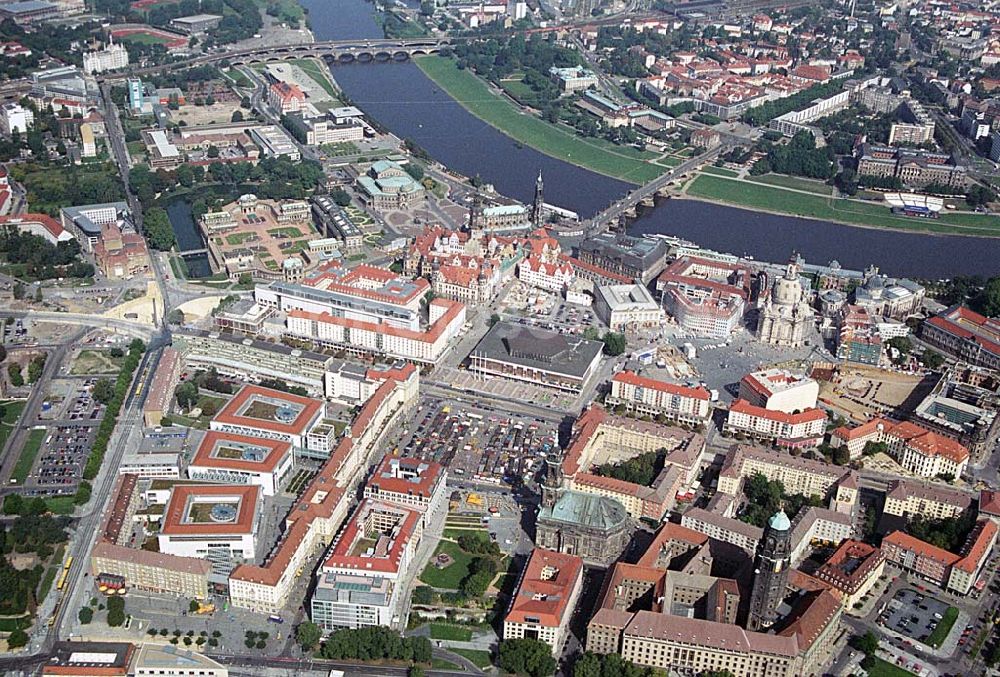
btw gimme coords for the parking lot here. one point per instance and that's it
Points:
(913, 614)
(536, 307)
(71, 417)
(481, 443)
(497, 386)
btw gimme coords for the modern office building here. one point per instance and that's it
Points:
(275, 142)
(228, 458)
(362, 580)
(547, 358)
(214, 522)
(267, 414)
(15, 117)
(627, 307)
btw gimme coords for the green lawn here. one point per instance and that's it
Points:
(520, 91)
(61, 505)
(476, 96)
(794, 182)
(10, 411)
(285, 231)
(886, 669)
(481, 659)
(239, 238)
(455, 633)
(318, 73)
(28, 454)
(756, 196)
(11, 623)
(449, 577)
(719, 171)
(238, 78)
(144, 39)
(943, 628)
(441, 664)
(454, 532)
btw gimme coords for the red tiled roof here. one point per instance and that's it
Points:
(230, 413)
(342, 557)
(906, 542)
(545, 589)
(989, 502)
(174, 521)
(744, 407)
(431, 334)
(277, 450)
(382, 479)
(632, 378)
(43, 220)
(318, 500)
(977, 545)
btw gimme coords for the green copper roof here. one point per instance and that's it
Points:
(779, 521)
(590, 510)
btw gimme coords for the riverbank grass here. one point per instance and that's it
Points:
(777, 200)
(479, 99)
(793, 182)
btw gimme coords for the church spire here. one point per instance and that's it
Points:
(536, 207)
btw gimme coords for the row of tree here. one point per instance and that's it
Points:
(107, 426)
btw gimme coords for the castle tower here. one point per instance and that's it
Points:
(476, 212)
(536, 207)
(771, 572)
(553, 483)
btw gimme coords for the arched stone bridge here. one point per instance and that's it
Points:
(333, 51)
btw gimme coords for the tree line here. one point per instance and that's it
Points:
(39, 259)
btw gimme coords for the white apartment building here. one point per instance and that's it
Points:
(535, 272)
(15, 117)
(779, 390)
(916, 449)
(113, 57)
(907, 498)
(647, 396)
(804, 429)
(429, 345)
